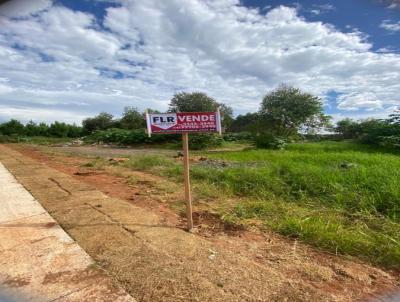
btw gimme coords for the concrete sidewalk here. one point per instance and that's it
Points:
(38, 260)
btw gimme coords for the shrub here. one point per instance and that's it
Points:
(240, 136)
(200, 141)
(12, 127)
(372, 131)
(390, 141)
(101, 121)
(128, 137)
(269, 141)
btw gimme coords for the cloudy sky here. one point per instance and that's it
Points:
(66, 60)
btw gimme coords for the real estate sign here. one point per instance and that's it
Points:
(183, 122)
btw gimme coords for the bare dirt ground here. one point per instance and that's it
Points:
(126, 224)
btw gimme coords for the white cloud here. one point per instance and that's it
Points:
(394, 5)
(5, 89)
(385, 50)
(390, 26)
(327, 6)
(148, 49)
(355, 101)
(38, 115)
(322, 8)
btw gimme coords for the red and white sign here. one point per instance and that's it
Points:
(183, 122)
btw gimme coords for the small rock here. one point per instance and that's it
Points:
(220, 284)
(213, 254)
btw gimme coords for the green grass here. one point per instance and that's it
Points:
(339, 196)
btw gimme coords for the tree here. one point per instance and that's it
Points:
(200, 102)
(287, 110)
(42, 129)
(247, 122)
(348, 128)
(132, 119)
(31, 129)
(58, 129)
(100, 122)
(12, 127)
(74, 130)
(394, 118)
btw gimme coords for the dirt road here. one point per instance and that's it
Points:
(146, 251)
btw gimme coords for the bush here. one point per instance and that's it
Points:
(390, 141)
(129, 137)
(372, 131)
(136, 137)
(240, 136)
(117, 136)
(200, 141)
(101, 121)
(13, 127)
(269, 141)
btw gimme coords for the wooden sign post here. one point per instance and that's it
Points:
(185, 123)
(186, 176)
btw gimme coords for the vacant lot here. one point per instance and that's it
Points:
(339, 196)
(342, 197)
(260, 190)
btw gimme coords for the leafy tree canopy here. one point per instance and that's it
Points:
(246, 122)
(132, 118)
(287, 110)
(101, 121)
(200, 102)
(348, 128)
(12, 127)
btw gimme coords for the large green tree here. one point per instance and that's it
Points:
(287, 110)
(101, 121)
(132, 119)
(246, 122)
(200, 102)
(13, 127)
(348, 128)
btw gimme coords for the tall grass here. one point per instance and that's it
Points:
(339, 196)
(331, 174)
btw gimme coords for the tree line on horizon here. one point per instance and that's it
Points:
(285, 113)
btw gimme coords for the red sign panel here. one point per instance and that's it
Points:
(183, 122)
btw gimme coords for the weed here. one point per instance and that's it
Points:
(339, 196)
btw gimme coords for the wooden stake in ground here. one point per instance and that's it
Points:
(186, 176)
(184, 122)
